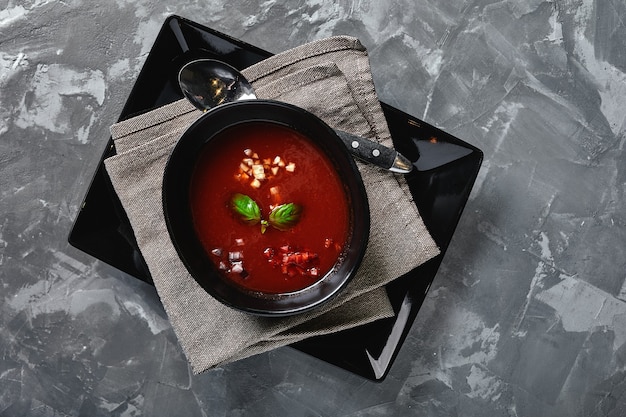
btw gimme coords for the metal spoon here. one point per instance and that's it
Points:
(207, 83)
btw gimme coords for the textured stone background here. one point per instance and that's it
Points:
(527, 316)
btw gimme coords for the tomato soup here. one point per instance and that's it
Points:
(269, 207)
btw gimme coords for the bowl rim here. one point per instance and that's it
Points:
(179, 170)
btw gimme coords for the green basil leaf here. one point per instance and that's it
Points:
(285, 216)
(247, 209)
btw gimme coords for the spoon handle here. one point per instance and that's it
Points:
(375, 153)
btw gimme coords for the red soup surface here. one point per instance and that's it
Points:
(269, 208)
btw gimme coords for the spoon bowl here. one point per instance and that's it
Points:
(208, 83)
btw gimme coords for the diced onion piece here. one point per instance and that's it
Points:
(248, 161)
(237, 268)
(275, 196)
(235, 256)
(239, 242)
(217, 251)
(258, 171)
(291, 167)
(255, 183)
(248, 152)
(277, 160)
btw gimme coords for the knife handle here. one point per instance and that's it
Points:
(375, 153)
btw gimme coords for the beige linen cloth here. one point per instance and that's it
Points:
(332, 79)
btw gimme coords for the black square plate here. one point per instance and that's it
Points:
(446, 170)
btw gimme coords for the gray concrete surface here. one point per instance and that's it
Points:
(527, 316)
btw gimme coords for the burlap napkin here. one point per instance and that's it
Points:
(332, 79)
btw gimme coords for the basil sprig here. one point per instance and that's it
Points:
(282, 217)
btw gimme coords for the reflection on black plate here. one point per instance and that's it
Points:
(446, 170)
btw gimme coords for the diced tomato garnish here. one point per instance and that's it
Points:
(293, 261)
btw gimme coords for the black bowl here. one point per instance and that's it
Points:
(178, 217)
